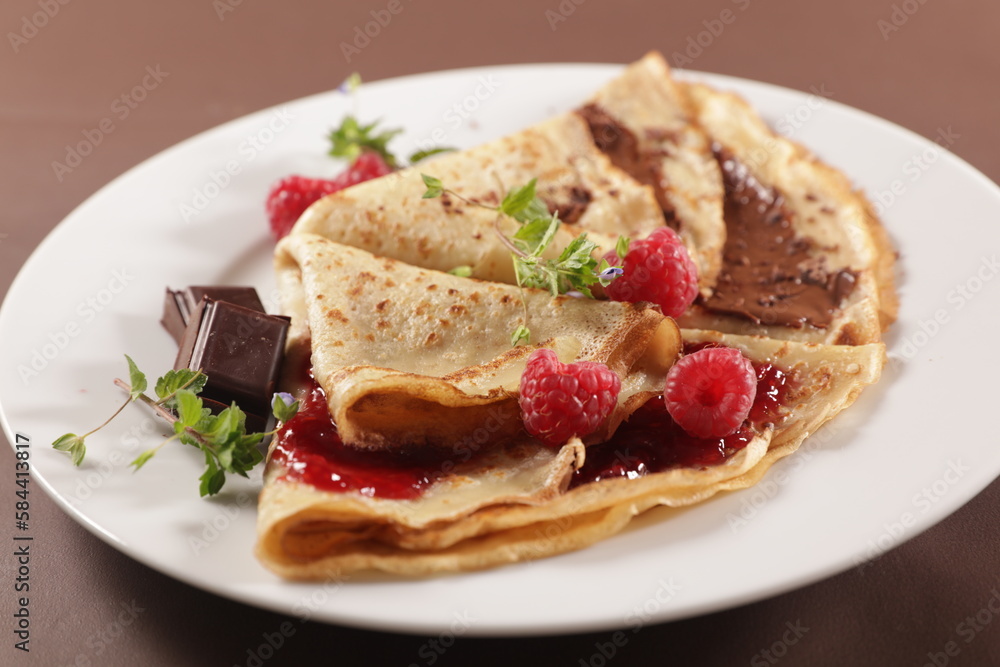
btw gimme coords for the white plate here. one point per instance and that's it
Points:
(913, 449)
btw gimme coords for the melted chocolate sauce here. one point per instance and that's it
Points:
(769, 274)
(622, 148)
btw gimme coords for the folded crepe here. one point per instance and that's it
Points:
(407, 373)
(805, 256)
(388, 216)
(813, 264)
(410, 357)
(644, 121)
(523, 503)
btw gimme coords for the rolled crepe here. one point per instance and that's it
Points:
(388, 216)
(517, 503)
(415, 358)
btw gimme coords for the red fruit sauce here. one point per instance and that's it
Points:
(651, 441)
(312, 453)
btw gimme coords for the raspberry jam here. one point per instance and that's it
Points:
(312, 453)
(650, 441)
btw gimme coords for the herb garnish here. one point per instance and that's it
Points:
(222, 438)
(575, 269)
(352, 138)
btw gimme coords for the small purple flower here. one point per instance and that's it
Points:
(286, 398)
(284, 406)
(611, 272)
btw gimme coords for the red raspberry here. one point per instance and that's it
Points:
(656, 269)
(561, 400)
(292, 195)
(709, 393)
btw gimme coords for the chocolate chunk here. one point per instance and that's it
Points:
(240, 350)
(178, 305)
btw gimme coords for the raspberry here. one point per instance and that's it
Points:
(292, 195)
(709, 393)
(656, 269)
(561, 400)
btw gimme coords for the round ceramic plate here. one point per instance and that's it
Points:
(913, 449)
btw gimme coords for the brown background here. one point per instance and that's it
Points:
(938, 70)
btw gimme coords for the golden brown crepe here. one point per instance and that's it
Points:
(834, 224)
(644, 120)
(410, 357)
(411, 361)
(480, 515)
(389, 217)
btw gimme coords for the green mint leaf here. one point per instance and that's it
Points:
(621, 247)
(225, 456)
(73, 444)
(578, 254)
(519, 201)
(535, 210)
(226, 426)
(245, 454)
(520, 335)
(351, 139)
(464, 271)
(143, 458)
(136, 378)
(529, 273)
(189, 409)
(284, 406)
(434, 186)
(537, 234)
(428, 152)
(213, 478)
(173, 381)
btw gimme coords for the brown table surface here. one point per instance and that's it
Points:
(923, 64)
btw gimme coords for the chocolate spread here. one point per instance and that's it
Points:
(769, 274)
(571, 210)
(622, 148)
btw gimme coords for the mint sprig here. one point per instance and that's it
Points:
(222, 438)
(352, 137)
(575, 270)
